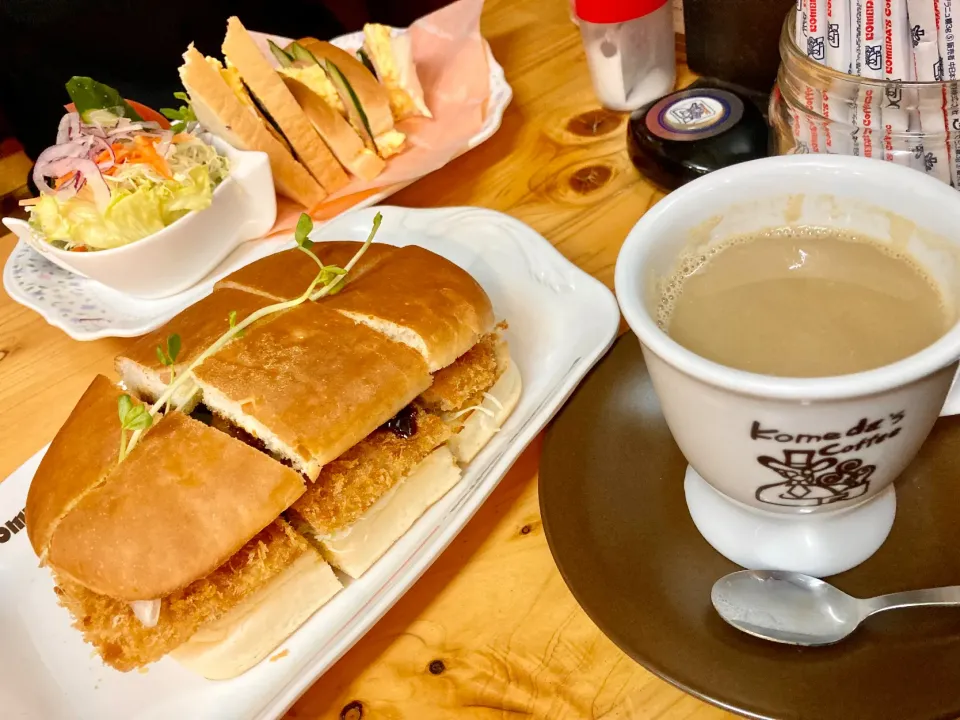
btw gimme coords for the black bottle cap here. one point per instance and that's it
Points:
(692, 132)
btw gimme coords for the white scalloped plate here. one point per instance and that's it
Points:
(87, 310)
(561, 322)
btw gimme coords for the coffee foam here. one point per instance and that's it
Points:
(692, 262)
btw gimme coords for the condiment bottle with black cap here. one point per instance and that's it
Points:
(630, 50)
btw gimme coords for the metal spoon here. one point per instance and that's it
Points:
(797, 609)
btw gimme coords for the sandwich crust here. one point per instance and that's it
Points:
(81, 455)
(125, 643)
(285, 275)
(422, 300)
(218, 109)
(311, 384)
(185, 499)
(267, 85)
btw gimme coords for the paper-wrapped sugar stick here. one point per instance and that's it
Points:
(948, 52)
(816, 29)
(799, 30)
(838, 35)
(869, 64)
(934, 151)
(840, 122)
(897, 69)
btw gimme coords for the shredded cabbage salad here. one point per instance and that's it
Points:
(117, 180)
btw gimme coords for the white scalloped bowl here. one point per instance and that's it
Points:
(183, 253)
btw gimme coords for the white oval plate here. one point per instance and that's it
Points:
(87, 310)
(561, 322)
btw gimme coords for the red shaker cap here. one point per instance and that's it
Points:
(615, 11)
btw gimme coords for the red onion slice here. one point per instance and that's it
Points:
(69, 128)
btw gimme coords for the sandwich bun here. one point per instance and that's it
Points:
(237, 641)
(220, 111)
(285, 275)
(87, 444)
(420, 299)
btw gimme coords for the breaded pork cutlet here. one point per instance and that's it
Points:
(125, 643)
(463, 383)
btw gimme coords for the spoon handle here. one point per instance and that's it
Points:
(944, 596)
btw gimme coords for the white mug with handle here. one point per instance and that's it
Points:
(796, 473)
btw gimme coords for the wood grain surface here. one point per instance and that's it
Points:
(490, 631)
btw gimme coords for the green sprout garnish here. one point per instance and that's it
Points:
(232, 322)
(133, 418)
(328, 281)
(168, 357)
(182, 116)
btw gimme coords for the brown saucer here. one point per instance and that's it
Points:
(611, 496)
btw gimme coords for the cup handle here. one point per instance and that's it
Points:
(951, 406)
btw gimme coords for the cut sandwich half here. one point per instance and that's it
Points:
(392, 58)
(268, 88)
(182, 533)
(366, 499)
(228, 113)
(366, 102)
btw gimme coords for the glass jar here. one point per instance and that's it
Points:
(815, 109)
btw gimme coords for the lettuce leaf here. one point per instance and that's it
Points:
(131, 215)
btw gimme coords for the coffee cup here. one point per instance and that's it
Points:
(796, 473)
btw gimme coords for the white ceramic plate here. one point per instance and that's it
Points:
(561, 322)
(87, 310)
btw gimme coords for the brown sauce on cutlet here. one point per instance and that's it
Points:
(208, 417)
(403, 424)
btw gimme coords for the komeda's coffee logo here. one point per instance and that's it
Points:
(12, 527)
(822, 475)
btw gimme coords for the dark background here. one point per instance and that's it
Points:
(136, 46)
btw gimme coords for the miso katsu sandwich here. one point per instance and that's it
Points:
(302, 416)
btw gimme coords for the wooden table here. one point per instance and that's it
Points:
(491, 630)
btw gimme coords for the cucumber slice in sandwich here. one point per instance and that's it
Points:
(280, 54)
(354, 109)
(355, 114)
(367, 63)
